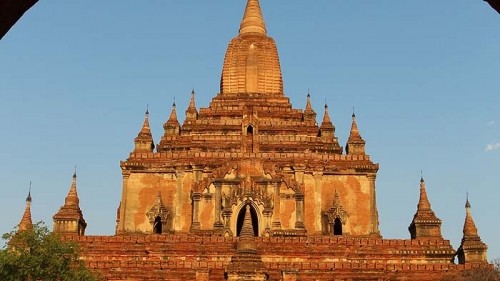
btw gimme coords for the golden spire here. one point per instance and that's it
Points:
(423, 201)
(309, 113)
(470, 228)
(355, 143)
(326, 119)
(173, 115)
(253, 21)
(308, 102)
(72, 197)
(144, 140)
(425, 223)
(354, 133)
(472, 249)
(145, 127)
(26, 222)
(251, 64)
(191, 112)
(70, 212)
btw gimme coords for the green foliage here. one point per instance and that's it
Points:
(40, 254)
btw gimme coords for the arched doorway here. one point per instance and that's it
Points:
(253, 217)
(337, 227)
(157, 226)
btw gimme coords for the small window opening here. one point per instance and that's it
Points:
(337, 227)
(157, 226)
(249, 130)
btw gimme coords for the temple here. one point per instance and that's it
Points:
(251, 188)
(249, 147)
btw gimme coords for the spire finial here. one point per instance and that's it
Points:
(28, 199)
(425, 223)
(467, 203)
(423, 202)
(144, 140)
(353, 113)
(253, 21)
(421, 176)
(308, 102)
(26, 222)
(191, 112)
(72, 197)
(470, 228)
(174, 102)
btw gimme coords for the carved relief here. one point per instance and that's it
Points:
(222, 171)
(200, 186)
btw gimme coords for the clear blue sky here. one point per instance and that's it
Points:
(76, 76)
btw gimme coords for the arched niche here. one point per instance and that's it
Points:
(253, 216)
(250, 130)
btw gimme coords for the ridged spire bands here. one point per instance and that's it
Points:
(253, 21)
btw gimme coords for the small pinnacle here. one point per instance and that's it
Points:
(74, 173)
(173, 103)
(353, 113)
(147, 109)
(467, 204)
(308, 94)
(421, 176)
(28, 199)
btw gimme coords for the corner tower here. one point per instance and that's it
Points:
(472, 249)
(69, 218)
(424, 223)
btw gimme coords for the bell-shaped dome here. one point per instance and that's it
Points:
(251, 64)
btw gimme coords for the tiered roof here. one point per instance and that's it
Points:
(71, 211)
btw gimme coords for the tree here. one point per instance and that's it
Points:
(39, 254)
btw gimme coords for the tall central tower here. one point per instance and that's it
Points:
(251, 65)
(250, 152)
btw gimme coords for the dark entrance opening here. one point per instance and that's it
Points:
(337, 227)
(241, 218)
(157, 226)
(249, 130)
